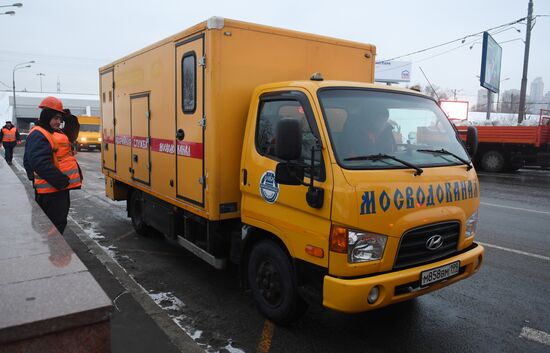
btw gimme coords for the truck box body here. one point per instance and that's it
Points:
(203, 176)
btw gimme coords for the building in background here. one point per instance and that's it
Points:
(28, 111)
(536, 96)
(537, 90)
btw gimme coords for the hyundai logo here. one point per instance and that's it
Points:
(434, 242)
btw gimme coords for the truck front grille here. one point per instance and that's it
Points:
(413, 250)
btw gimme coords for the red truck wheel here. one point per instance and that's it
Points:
(493, 161)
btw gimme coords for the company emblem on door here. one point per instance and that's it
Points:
(139, 112)
(190, 119)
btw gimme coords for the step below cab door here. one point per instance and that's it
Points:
(140, 148)
(190, 120)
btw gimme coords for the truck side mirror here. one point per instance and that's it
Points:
(471, 140)
(289, 174)
(288, 139)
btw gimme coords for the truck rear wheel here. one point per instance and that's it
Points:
(493, 161)
(136, 214)
(271, 279)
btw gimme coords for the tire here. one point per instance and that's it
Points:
(493, 161)
(271, 279)
(136, 214)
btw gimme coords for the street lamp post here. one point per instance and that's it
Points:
(17, 4)
(11, 13)
(41, 75)
(15, 68)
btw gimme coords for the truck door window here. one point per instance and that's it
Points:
(270, 114)
(188, 82)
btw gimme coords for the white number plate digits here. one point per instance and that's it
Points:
(439, 274)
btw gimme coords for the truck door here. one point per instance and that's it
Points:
(284, 207)
(141, 153)
(190, 119)
(108, 121)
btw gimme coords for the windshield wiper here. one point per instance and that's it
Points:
(444, 151)
(380, 156)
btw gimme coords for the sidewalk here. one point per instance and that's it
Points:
(134, 323)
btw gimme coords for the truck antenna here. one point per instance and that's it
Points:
(426, 77)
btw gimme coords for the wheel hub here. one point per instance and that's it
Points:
(269, 283)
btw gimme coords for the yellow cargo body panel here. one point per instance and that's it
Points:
(199, 84)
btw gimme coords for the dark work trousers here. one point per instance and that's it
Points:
(56, 206)
(8, 148)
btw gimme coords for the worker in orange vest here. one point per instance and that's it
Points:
(50, 163)
(9, 137)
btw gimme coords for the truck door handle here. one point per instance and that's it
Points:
(180, 134)
(135, 157)
(106, 146)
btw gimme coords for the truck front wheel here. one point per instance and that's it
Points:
(493, 161)
(271, 279)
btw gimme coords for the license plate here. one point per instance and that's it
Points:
(439, 273)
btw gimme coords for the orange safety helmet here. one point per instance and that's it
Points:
(52, 103)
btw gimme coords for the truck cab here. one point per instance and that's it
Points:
(361, 216)
(89, 137)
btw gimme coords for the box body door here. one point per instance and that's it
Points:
(108, 128)
(140, 148)
(190, 120)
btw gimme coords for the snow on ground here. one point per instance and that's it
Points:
(174, 306)
(499, 119)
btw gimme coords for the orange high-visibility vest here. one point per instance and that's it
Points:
(63, 158)
(8, 135)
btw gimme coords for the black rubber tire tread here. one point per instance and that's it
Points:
(292, 306)
(136, 204)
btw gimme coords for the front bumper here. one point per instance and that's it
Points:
(89, 145)
(350, 295)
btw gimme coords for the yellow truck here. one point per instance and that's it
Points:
(254, 145)
(89, 137)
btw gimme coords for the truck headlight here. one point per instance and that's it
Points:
(363, 246)
(471, 224)
(358, 245)
(99, 139)
(83, 139)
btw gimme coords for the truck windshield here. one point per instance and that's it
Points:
(89, 127)
(363, 123)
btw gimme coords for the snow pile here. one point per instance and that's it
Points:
(499, 119)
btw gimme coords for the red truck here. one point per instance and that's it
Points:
(508, 148)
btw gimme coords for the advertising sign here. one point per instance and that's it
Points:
(392, 71)
(490, 63)
(455, 110)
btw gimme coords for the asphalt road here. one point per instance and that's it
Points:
(503, 308)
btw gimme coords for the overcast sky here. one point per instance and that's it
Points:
(70, 39)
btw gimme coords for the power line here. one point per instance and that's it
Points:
(459, 39)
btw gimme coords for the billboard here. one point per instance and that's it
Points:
(455, 110)
(392, 71)
(490, 63)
